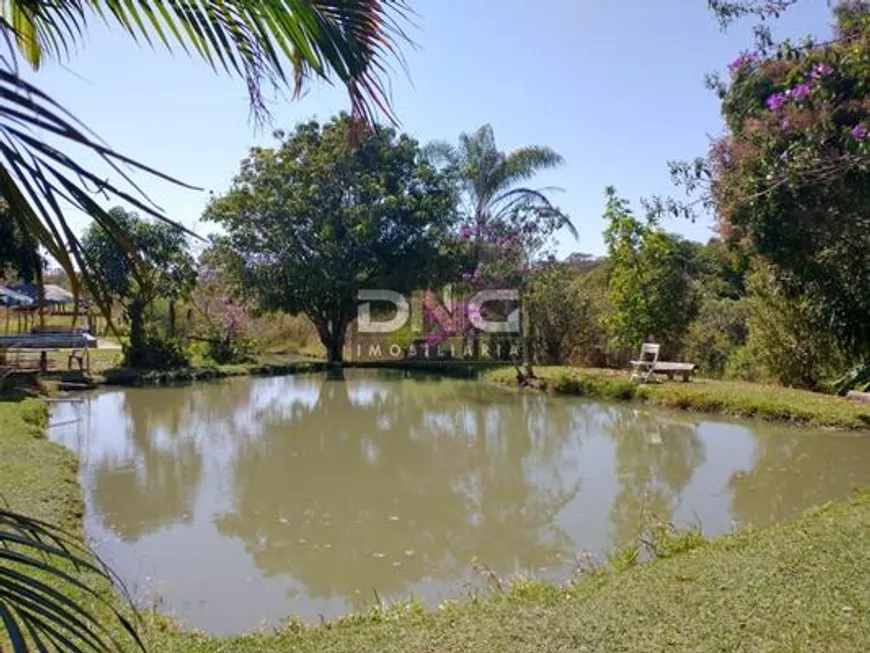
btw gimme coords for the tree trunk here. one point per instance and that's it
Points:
(172, 318)
(332, 335)
(136, 316)
(108, 317)
(525, 333)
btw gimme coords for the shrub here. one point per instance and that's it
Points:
(566, 304)
(785, 338)
(229, 350)
(715, 336)
(157, 353)
(743, 365)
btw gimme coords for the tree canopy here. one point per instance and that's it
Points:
(649, 291)
(314, 220)
(791, 177)
(491, 183)
(169, 269)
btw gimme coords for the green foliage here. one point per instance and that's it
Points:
(490, 184)
(167, 270)
(743, 365)
(18, 252)
(565, 312)
(34, 557)
(156, 352)
(226, 351)
(282, 43)
(315, 220)
(666, 540)
(858, 379)
(601, 387)
(785, 337)
(791, 176)
(719, 330)
(624, 559)
(650, 294)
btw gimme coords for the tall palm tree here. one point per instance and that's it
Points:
(493, 182)
(277, 43)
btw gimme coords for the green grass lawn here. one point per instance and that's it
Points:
(800, 586)
(706, 395)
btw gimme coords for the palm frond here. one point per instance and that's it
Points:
(351, 40)
(48, 578)
(523, 164)
(41, 176)
(536, 200)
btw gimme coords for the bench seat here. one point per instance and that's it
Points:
(683, 370)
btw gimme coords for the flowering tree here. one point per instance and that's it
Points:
(503, 252)
(224, 313)
(790, 179)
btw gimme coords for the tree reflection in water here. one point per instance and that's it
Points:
(325, 489)
(655, 459)
(160, 480)
(381, 485)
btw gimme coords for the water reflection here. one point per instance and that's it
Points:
(656, 458)
(368, 488)
(794, 470)
(259, 499)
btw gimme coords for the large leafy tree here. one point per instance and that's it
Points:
(170, 270)
(314, 220)
(649, 291)
(789, 178)
(268, 43)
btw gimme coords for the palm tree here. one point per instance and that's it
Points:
(492, 188)
(279, 43)
(492, 181)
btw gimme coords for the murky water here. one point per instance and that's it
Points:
(240, 503)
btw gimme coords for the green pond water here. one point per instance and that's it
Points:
(235, 504)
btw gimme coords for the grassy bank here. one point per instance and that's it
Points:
(126, 376)
(797, 586)
(704, 395)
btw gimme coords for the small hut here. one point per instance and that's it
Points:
(56, 301)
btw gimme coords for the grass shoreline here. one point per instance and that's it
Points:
(796, 586)
(730, 398)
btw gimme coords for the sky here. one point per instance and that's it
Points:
(615, 86)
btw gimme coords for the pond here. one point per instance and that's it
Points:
(236, 504)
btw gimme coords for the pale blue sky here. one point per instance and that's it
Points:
(616, 86)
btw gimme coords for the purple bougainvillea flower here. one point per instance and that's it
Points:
(745, 59)
(821, 70)
(860, 132)
(776, 101)
(801, 91)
